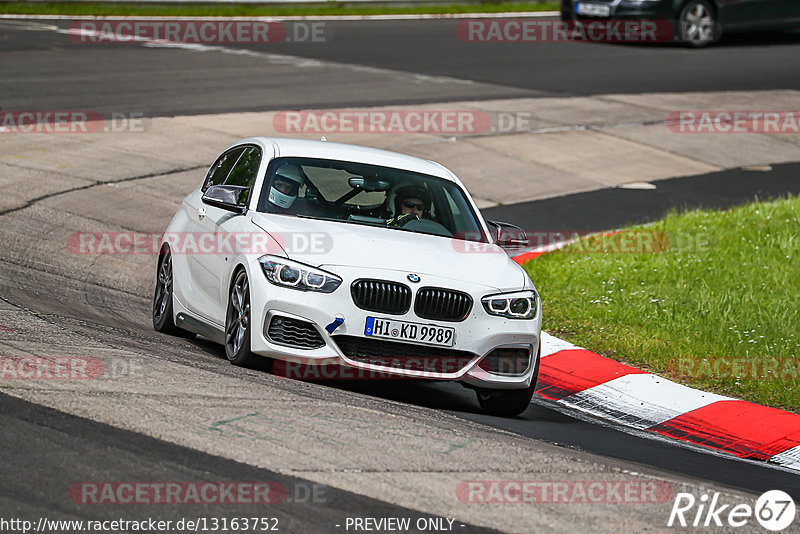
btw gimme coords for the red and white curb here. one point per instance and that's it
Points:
(580, 380)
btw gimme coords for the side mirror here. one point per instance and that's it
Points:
(508, 236)
(228, 197)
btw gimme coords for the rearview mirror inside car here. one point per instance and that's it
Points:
(369, 184)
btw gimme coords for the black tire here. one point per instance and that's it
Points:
(508, 402)
(237, 322)
(697, 24)
(162, 298)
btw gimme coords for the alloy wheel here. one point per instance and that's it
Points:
(238, 318)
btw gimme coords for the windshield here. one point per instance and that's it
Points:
(358, 193)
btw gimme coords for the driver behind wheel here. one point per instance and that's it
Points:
(410, 203)
(285, 186)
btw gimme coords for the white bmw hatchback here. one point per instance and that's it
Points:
(311, 252)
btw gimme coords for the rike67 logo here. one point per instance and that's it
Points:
(774, 511)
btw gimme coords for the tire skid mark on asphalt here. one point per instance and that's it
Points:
(34, 201)
(260, 425)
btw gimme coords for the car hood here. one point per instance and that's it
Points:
(327, 243)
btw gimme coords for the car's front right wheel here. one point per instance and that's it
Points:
(508, 402)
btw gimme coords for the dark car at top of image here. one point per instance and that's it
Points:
(697, 22)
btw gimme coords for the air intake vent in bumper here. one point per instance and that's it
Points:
(508, 361)
(294, 333)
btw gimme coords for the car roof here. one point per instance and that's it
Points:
(286, 147)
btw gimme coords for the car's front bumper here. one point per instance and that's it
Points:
(476, 336)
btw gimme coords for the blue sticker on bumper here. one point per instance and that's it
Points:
(337, 322)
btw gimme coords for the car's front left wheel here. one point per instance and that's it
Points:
(237, 322)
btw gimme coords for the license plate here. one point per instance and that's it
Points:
(429, 334)
(592, 10)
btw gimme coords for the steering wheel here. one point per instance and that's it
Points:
(425, 226)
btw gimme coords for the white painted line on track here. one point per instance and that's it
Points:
(551, 345)
(640, 400)
(301, 62)
(275, 59)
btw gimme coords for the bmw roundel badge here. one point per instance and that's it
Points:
(413, 278)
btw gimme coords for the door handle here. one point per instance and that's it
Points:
(201, 212)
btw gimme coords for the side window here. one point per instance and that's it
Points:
(219, 171)
(244, 172)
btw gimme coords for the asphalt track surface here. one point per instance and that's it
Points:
(366, 63)
(44, 70)
(60, 449)
(608, 209)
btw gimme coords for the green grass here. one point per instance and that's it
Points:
(726, 289)
(253, 10)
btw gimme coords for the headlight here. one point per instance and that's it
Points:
(287, 273)
(519, 305)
